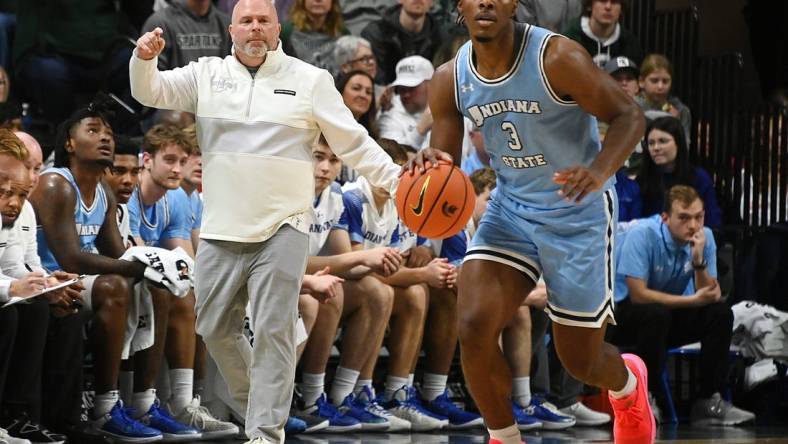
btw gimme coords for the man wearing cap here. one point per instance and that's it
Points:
(409, 120)
(625, 71)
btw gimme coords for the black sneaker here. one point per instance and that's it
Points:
(24, 428)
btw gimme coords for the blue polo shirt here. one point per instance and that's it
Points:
(646, 250)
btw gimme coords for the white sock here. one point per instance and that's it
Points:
(104, 402)
(433, 385)
(361, 383)
(521, 391)
(411, 379)
(344, 381)
(142, 401)
(629, 387)
(312, 386)
(393, 383)
(181, 389)
(508, 435)
(126, 386)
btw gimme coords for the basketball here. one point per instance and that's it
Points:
(435, 204)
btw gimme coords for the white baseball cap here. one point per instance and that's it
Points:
(412, 71)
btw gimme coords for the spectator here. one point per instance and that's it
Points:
(5, 85)
(477, 156)
(626, 73)
(360, 13)
(657, 260)
(666, 164)
(192, 29)
(11, 115)
(358, 93)
(409, 120)
(601, 34)
(65, 49)
(312, 31)
(555, 15)
(655, 81)
(405, 30)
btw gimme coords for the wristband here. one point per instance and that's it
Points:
(700, 266)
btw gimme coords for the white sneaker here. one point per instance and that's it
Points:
(199, 417)
(5, 438)
(366, 400)
(584, 416)
(259, 440)
(405, 405)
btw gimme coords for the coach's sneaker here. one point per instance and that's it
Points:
(405, 405)
(633, 422)
(366, 400)
(584, 416)
(23, 428)
(118, 426)
(197, 416)
(5, 438)
(338, 422)
(458, 418)
(369, 421)
(548, 415)
(172, 430)
(524, 420)
(717, 411)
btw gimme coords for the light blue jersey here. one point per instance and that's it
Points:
(529, 132)
(195, 202)
(169, 218)
(88, 219)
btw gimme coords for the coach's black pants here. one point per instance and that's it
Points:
(22, 390)
(653, 328)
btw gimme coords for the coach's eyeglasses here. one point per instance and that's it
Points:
(367, 60)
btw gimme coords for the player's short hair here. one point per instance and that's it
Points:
(191, 133)
(12, 146)
(483, 178)
(126, 146)
(99, 108)
(653, 62)
(685, 195)
(162, 135)
(395, 150)
(587, 6)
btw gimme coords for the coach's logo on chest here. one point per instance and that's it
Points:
(222, 84)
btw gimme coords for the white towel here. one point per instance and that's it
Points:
(139, 321)
(172, 268)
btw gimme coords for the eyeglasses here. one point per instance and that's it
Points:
(367, 60)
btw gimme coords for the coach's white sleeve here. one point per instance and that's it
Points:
(175, 89)
(349, 139)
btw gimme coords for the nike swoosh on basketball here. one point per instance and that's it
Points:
(420, 206)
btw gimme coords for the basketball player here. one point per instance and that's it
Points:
(258, 112)
(534, 96)
(363, 306)
(80, 235)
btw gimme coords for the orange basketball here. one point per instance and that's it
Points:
(436, 204)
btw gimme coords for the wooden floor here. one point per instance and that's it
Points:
(682, 434)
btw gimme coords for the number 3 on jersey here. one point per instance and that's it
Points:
(514, 139)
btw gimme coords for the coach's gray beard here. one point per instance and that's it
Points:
(255, 51)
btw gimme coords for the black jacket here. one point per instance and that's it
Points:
(391, 43)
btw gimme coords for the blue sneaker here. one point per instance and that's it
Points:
(294, 426)
(120, 427)
(458, 418)
(548, 415)
(525, 421)
(369, 421)
(405, 404)
(365, 399)
(338, 421)
(172, 430)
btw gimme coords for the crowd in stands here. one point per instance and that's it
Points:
(129, 178)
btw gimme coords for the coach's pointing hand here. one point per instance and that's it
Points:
(150, 45)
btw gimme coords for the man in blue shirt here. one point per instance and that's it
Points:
(662, 260)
